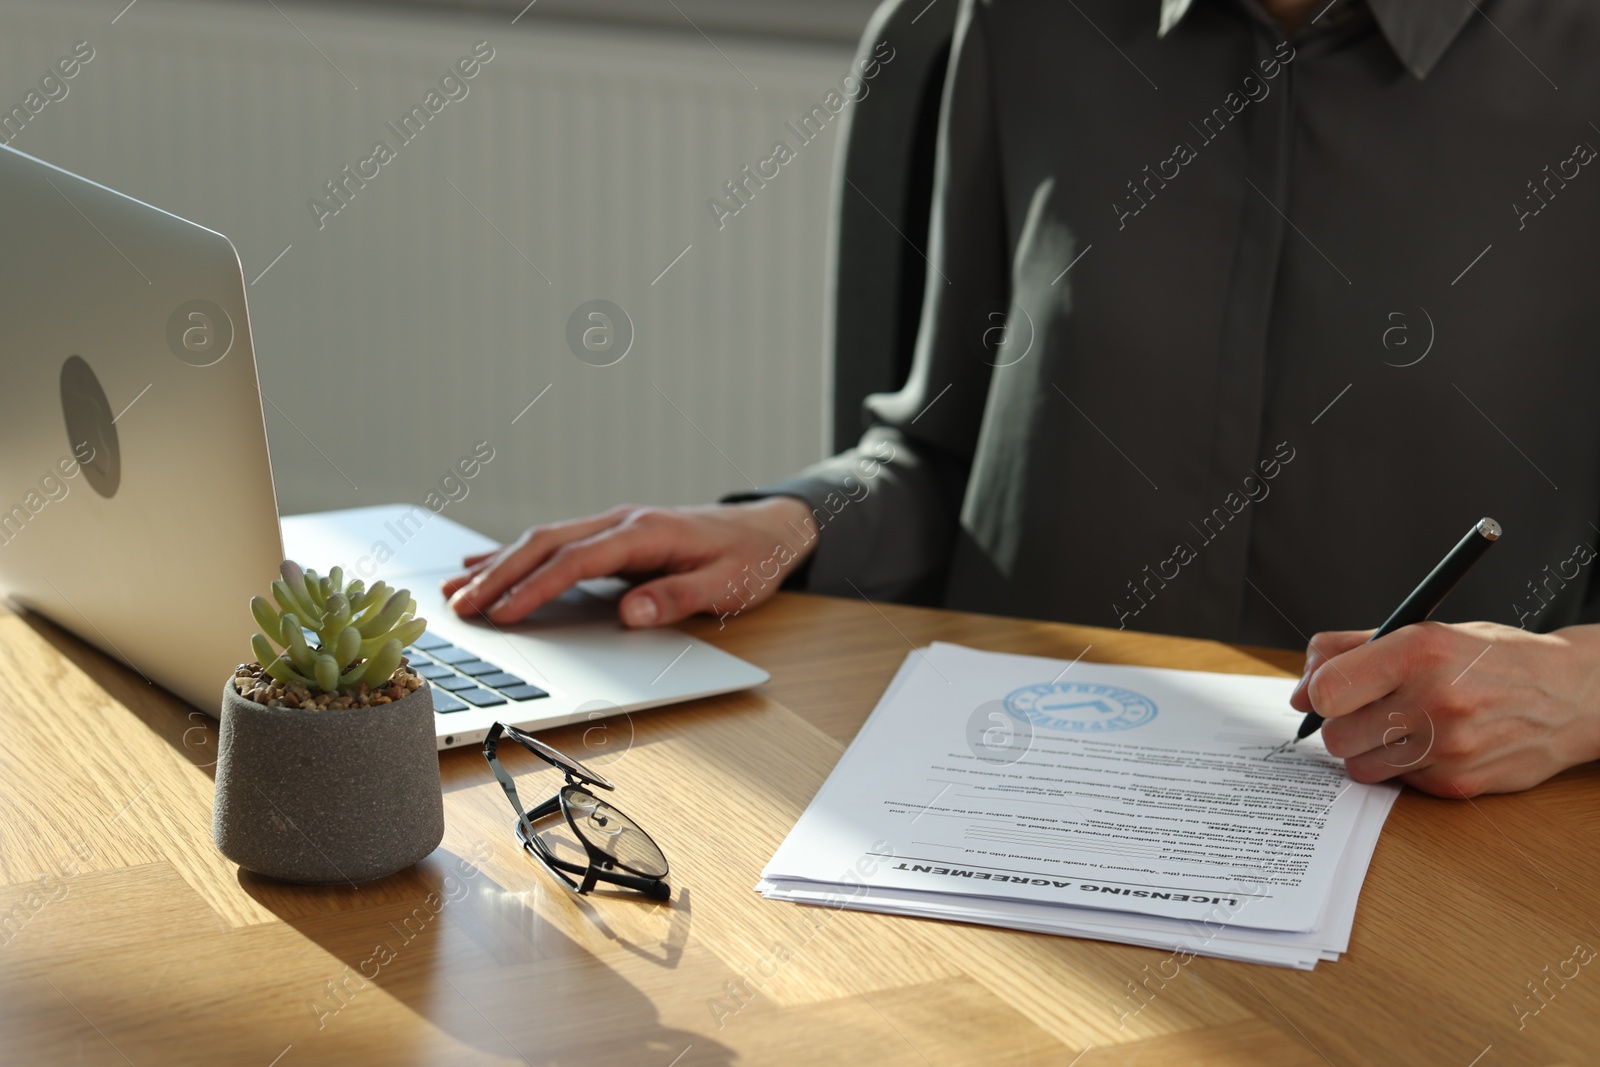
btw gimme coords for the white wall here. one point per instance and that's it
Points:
(407, 328)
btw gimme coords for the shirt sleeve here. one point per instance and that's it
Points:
(888, 510)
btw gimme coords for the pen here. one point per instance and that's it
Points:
(1426, 598)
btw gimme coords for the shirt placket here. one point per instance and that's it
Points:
(1242, 347)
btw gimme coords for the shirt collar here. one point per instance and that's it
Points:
(1419, 31)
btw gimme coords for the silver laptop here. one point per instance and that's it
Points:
(136, 499)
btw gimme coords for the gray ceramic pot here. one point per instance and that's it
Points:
(327, 796)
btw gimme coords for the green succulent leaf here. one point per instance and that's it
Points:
(388, 618)
(347, 646)
(370, 646)
(283, 672)
(408, 632)
(295, 578)
(316, 590)
(285, 599)
(265, 616)
(327, 672)
(382, 664)
(263, 649)
(372, 600)
(338, 612)
(276, 666)
(298, 651)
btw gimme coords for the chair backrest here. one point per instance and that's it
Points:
(883, 189)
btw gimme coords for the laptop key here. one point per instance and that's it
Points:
(455, 683)
(478, 668)
(483, 698)
(452, 654)
(498, 680)
(444, 703)
(433, 671)
(430, 641)
(524, 692)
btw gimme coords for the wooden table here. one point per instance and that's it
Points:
(128, 939)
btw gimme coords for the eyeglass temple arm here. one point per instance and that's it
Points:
(650, 887)
(506, 783)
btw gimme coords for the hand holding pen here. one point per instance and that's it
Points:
(1426, 598)
(1455, 709)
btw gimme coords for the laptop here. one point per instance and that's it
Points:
(136, 497)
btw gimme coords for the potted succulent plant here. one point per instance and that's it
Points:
(327, 769)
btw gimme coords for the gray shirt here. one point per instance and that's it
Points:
(1234, 336)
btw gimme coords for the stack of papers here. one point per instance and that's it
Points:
(1129, 804)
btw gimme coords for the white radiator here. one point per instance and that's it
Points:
(414, 323)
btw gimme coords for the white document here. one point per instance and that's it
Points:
(1203, 938)
(1136, 804)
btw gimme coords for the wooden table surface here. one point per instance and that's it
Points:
(126, 938)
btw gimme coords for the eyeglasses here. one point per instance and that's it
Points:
(618, 851)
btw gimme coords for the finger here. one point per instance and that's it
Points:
(1371, 671)
(611, 551)
(456, 581)
(1321, 648)
(514, 562)
(1371, 767)
(676, 596)
(1397, 726)
(478, 557)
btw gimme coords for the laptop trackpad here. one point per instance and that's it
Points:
(589, 602)
(594, 600)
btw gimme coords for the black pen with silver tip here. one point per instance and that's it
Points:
(1426, 598)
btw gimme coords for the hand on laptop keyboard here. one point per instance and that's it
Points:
(722, 558)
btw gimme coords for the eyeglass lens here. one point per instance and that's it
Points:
(613, 834)
(563, 762)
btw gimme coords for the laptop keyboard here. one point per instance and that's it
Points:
(461, 680)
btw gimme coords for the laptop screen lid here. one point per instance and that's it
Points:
(136, 497)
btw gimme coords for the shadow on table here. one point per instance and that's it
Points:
(190, 732)
(477, 961)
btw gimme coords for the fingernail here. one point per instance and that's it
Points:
(640, 611)
(499, 605)
(1305, 673)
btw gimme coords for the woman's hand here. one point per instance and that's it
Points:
(729, 555)
(1456, 710)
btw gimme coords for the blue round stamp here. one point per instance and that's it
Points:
(1081, 707)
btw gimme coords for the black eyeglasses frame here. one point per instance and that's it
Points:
(602, 867)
